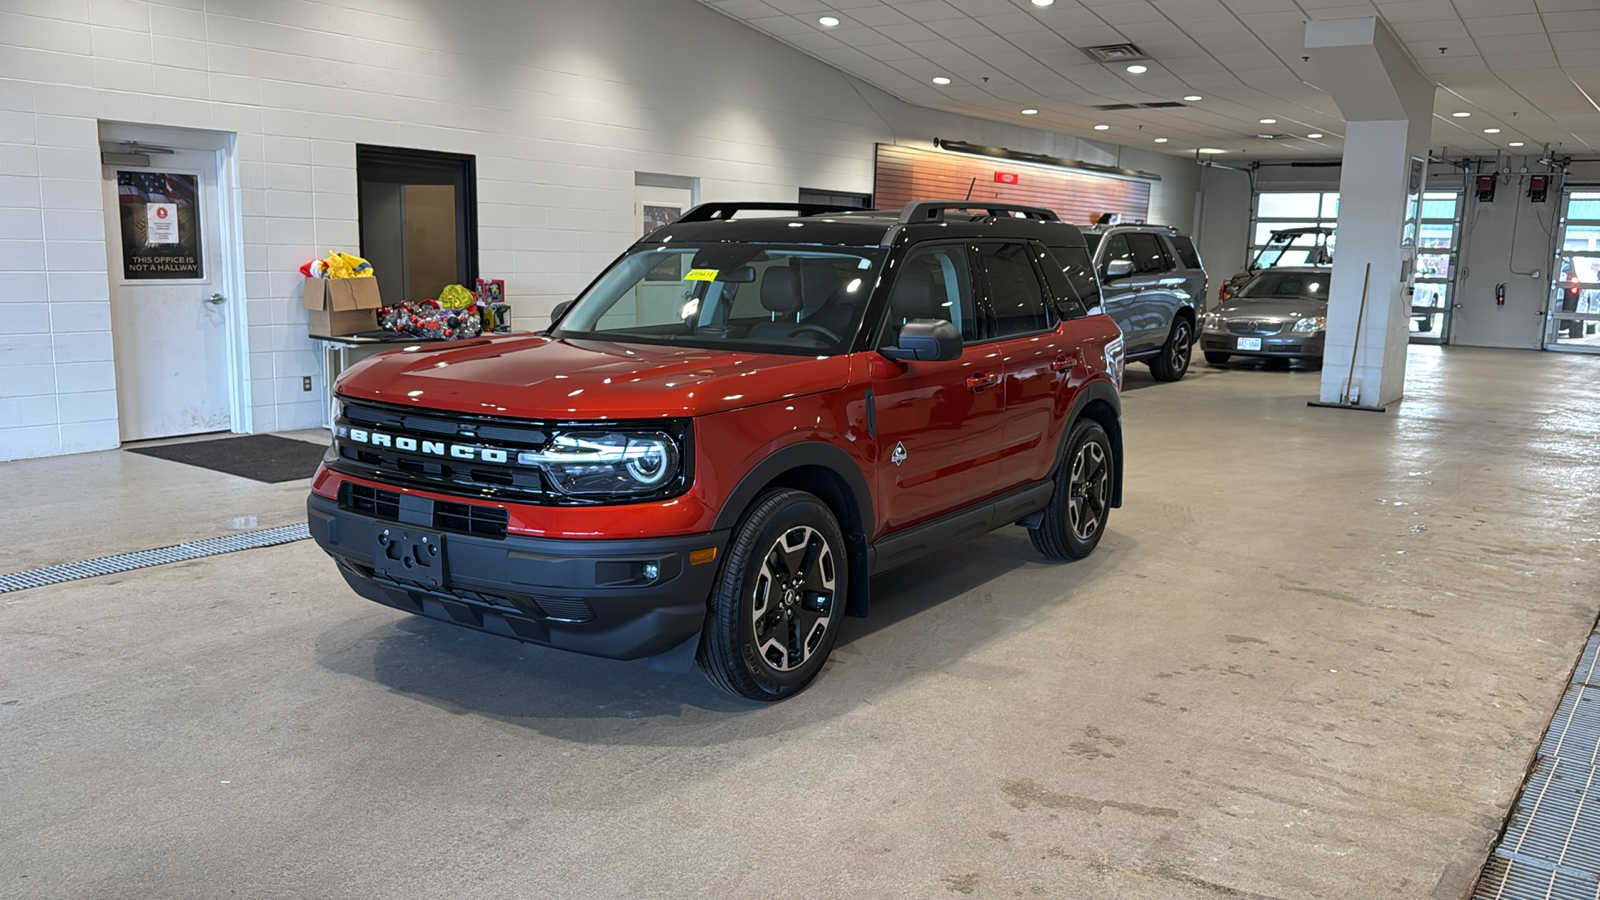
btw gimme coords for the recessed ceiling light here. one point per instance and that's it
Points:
(1193, 98)
(1138, 69)
(1515, 144)
(1491, 131)
(1043, 2)
(1161, 140)
(1269, 121)
(1211, 150)
(1030, 112)
(1314, 135)
(1461, 115)
(1101, 127)
(828, 21)
(940, 79)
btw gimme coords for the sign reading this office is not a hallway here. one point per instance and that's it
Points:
(159, 216)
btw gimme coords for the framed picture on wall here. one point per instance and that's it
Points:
(159, 215)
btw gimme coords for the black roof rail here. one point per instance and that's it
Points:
(712, 212)
(933, 210)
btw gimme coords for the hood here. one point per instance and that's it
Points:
(535, 377)
(1270, 308)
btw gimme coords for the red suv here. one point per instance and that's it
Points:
(711, 450)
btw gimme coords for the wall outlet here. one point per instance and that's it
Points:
(305, 383)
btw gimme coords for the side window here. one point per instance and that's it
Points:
(935, 282)
(1014, 298)
(1186, 251)
(1078, 270)
(1149, 257)
(1116, 248)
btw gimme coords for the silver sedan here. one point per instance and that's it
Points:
(1280, 313)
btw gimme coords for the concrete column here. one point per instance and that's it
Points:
(1387, 104)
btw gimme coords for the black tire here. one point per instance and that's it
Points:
(1218, 359)
(1076, 517)
(788, 555)
(1173, 361)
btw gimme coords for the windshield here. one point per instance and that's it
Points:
(1291, 247)
(770, 297)
(1287, 286)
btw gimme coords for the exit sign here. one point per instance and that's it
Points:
(1006, 177)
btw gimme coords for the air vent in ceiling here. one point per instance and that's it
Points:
(1120, 107)
(1115, 53)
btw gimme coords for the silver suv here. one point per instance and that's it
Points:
(1154, 286)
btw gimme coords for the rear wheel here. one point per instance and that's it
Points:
(777, 603)
(1072, 524)
(1217, 359)
(1173, 360)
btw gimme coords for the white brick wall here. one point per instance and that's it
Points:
(561, 101)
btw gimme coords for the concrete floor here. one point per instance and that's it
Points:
(1311, 659)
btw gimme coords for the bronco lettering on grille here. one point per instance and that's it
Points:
(430, 448)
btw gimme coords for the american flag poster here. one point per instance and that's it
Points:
(160, 219)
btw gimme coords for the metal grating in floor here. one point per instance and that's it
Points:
(1551, 846)
(139, 559)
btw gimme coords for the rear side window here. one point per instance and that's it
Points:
(1015, 299)
(935, 282)
(1186, 252)
(1149, 257)
(1078, 270)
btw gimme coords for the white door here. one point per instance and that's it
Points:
(169, 312)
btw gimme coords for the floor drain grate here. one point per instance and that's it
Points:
(1551, 846)
(140, 559)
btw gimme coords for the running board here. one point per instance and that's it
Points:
(918, 541)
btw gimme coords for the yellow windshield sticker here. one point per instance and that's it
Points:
(701, 275)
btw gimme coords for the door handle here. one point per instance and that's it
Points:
(216, 299)
(982, 381)
(1064, 363)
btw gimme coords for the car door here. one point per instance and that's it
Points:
(1122, 295)
(1192, 270)
(939, 424)
(1160, 286)
(1037, 354)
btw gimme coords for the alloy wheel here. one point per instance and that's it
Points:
(1178, 358)
(1090, 490)
(791, 605)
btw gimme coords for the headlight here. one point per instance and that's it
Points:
(1311, 325)
(607, 464)
(1214, 321)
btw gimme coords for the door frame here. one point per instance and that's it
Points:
(1547, 339)
(224, 148)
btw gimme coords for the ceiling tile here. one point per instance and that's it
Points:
(1490, 27)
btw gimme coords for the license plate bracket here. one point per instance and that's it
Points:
(1249, 343)
(414, 555)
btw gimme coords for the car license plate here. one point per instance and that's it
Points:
(409, 554)
(1249, 343)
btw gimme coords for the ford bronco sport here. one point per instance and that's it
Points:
(743, 418)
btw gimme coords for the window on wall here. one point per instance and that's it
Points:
(1438, 233)
(419, 220)
(1277, 210)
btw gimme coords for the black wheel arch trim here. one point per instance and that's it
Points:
(856, 524)
(1097, 391)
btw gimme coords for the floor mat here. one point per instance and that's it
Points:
(262, 457)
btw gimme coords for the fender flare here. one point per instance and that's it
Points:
(1103, 391)
(814, 454)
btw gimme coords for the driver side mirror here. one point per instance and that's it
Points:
(926, 340)
(559, 311)
(1119, 268)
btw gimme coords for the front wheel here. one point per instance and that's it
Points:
(1173, 360)
(777, 603)
(1075, 519)
(1217, 359)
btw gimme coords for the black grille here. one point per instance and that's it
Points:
(465, 518)
(1254, 326)
(564, 610)
(419, 450)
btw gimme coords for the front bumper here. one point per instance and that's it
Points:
(1299, 346)
(594, 597)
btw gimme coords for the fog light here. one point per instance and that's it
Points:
(651, 571)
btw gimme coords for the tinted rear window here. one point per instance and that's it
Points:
(1186, 252)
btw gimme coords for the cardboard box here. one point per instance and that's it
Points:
(340, 306)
